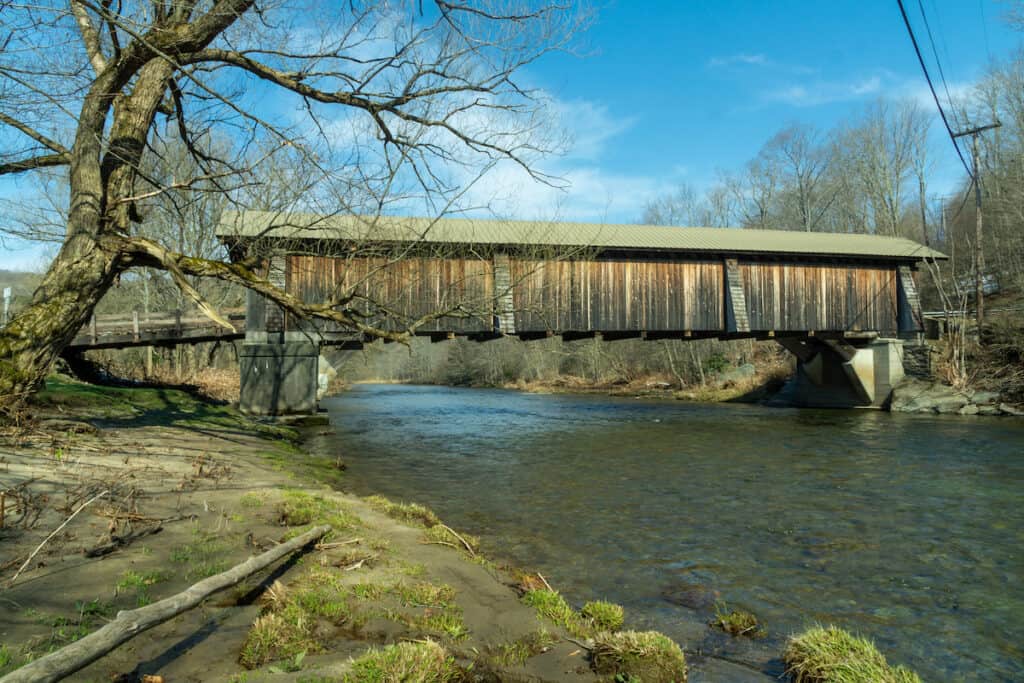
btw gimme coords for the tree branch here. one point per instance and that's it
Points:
(41, 161)
(90, 36)
(52, 145)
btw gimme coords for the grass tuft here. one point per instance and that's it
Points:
(827, 654)
(419, 662)
(204, 555)
(551, 605)
(604, 616)
(251, 500)
(645, 655)
(440, 533)
(277, 636)
(737, 622)
(300, 508)
(516, 652)
(413, 513)
(140, 584)
(425, 594)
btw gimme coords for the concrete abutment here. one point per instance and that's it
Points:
(844, 373)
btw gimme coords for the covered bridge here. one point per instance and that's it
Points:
(487, 278)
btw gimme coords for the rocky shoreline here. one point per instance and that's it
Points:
(919, 396)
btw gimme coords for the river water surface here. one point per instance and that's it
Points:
(907, 529)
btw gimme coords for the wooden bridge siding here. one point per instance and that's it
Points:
(616, 294)
(825, 297)
(413, 286)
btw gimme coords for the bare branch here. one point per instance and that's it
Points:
(90, 36)
(42, 161)
(52, 145)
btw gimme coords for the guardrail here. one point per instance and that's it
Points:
(121, 330)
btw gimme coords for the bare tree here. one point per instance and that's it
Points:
(681, 207)
(881, 151)
(803, 162)
(392, 104)
(757, 192)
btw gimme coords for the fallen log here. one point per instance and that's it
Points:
(129, 624)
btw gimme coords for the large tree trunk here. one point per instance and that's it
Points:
(78, 278)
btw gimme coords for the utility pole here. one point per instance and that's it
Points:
(979, 254)
(942, 220)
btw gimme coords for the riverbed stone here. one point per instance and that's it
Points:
(948, 405)
(983, 398)
(691, 595)
(989, 410)
(970, 409)
(1007, 409)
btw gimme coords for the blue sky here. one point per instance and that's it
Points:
(665, 92)
(673, 91)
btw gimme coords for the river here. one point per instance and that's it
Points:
(907, 529)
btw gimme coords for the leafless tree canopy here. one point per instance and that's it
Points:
(145, 118)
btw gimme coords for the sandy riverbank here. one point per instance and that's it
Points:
(182, 489)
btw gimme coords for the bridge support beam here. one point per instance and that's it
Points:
(279, 378)
(843, 373)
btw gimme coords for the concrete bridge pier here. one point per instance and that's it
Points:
(279, 378)
(846, 373)
(279, 368)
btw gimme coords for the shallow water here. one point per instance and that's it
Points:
(907, 529)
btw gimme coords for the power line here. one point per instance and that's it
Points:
(984, 28)
(938, 62)
(928, 78)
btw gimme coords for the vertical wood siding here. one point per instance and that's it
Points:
(617, 294)
(411, 287)
(837, 297)
(609, 294)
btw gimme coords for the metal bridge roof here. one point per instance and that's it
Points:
(472, 231)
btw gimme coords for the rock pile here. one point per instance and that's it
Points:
(917, 396)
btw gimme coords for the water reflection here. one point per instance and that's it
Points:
(905, 528)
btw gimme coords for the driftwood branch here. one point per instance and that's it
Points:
(469, 548)
(129, 624)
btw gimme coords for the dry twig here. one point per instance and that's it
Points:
(55, 532)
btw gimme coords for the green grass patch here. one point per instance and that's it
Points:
(425, 594)
(88, 616)
(440, 533)
(154, 405)
(552, 606)
(446, 623)
(827, 654)
(252, 499)
(132, 581)
(413, 569)
(411, 513)
(737, 622)
(440, 616)
(300, 508)
(516, 652)
(420, 662)
(604, 616)
(292, 616)
(645, 655)
(277, 636)
(204, 555)
(10, 660)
